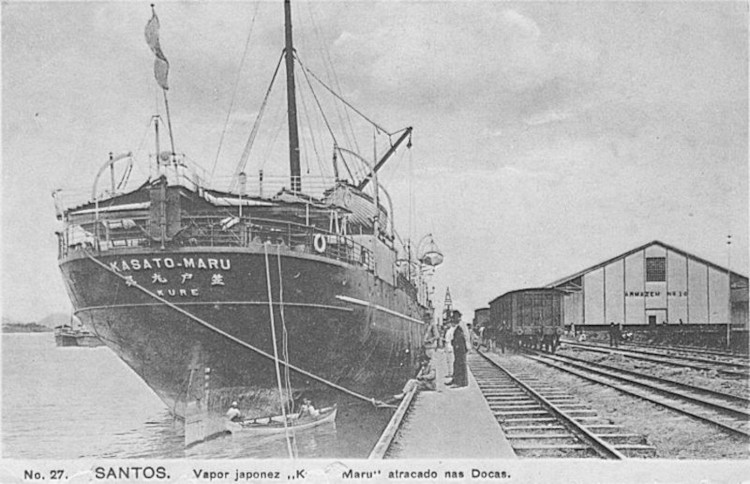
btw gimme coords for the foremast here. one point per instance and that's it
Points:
(294, 165)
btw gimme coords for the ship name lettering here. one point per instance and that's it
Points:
(178, 292)
(200, 263)
(352, 474)
(170, 263)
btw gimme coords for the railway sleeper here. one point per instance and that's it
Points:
(538, 420)
(518, 413)
(512, 404)
(581, 413)
(542, 437)
(532, 428)
(530, 446)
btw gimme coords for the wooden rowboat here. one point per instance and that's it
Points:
(273, 425)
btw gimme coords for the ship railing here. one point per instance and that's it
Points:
(217, 231)
(211, 230)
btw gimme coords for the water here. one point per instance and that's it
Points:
(55, 399)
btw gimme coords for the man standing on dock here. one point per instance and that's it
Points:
(448, 345)
(460, 378)
(431, 338)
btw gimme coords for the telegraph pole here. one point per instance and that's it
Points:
(729, 289)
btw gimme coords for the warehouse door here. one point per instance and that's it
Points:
(656, 317)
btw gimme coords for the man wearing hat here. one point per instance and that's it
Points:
(425, 379)
(233, 414)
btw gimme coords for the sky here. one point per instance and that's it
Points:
(548, 136)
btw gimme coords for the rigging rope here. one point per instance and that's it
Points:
(130, 282)
(254, 131)
(337, 96)
(276, 355)
(325, 120)
(331, 71)
(234, 91)
(310, 129)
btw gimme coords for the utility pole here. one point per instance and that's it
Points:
(729, 290)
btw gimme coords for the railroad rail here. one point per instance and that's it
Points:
(734, 369)
(727, 412)
(542, 421)
(690, 349)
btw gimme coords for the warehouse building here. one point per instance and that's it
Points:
(652, 285)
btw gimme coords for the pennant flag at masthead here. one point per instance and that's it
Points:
(161, 65)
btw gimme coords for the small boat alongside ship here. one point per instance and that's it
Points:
(213, 295)
(68, 336)
(275, 425)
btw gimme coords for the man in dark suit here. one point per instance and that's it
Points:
(460, 377)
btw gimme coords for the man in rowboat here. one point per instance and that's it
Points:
(307, 409)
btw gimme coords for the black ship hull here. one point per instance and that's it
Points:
(343, 325)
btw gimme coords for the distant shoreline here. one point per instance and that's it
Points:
(26, 328)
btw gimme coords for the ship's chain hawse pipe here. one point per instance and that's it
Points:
(131, 283)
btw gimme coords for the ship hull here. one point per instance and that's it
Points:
(196, 325)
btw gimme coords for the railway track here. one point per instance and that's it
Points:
(691, 350)
(734, 369)
(542, 421)
(728, 412)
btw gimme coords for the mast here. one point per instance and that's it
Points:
(294, 166)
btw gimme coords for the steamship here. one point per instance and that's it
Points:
(213, 295)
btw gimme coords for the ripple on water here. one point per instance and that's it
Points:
(55, 399)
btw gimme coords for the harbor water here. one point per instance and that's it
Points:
(67, 403)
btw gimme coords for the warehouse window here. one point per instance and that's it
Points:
(656, 269)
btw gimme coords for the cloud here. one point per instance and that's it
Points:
(438, 64)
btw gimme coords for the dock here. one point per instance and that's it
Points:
(449, 423)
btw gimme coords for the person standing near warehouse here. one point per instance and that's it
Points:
(503, 336)
(614, 335)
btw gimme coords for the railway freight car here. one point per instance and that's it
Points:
(529, 317)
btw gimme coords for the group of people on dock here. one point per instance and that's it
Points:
(455, 342)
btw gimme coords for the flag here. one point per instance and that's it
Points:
(161, 65)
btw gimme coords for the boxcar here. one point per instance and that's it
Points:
(529, 317)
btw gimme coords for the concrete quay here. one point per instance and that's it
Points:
(450, 424)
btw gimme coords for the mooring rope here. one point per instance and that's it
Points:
(130, 282)
(285, 342)
(276, 356)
